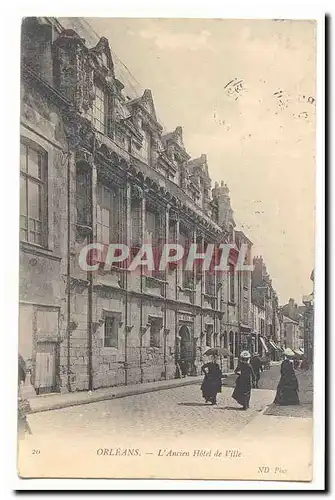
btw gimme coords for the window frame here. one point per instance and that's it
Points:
(115, 317)
(115, 218)
(231, 278)
(98, 85)
(85, 219)
(158, 324)
(42, 182)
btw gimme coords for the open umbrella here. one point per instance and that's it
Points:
(217, 351)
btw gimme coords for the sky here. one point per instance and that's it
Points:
(244, 93)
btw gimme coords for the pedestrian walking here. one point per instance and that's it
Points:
(288, 387)
(184, 366)
(296, 363)
(211, 385)
(257, 366)
(244, 381)
(23, 404)
(304, 364)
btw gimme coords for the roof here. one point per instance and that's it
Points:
(132, 88)
(243, 236)
(286, 319)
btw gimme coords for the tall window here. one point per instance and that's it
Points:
(135, 221)
(237, 346)
(147, 147)
(153, 233)
(99, 109)
(187, 275)
(110, 332)
(83, 195)
(209, 335)
(33, 195)
(155, 333)
(210, 282)
(231, 283)
(151, 227)
(108, 215)
(245, 310)
(224, 341)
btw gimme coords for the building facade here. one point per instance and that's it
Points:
(265, 306)
(308, 319)
(293, 325)
(258, 325)
(97, 167)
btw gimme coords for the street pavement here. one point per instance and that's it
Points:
(177, 418)
(171, 412)
(269, 380)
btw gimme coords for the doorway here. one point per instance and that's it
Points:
(186, 350)
(45, 371)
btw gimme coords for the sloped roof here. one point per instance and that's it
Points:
(132, 88)
(286, 319)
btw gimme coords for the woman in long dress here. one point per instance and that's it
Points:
(23, 404)
(244, 381)
(211, 384)
(288, 387)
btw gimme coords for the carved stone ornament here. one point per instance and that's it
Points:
(84, 156)
(137, 192)
(73, 325)
(78, 130)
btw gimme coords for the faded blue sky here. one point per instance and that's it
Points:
(262, 145)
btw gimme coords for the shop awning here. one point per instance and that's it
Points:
(275, 346)
(245, 328)
(264, 344)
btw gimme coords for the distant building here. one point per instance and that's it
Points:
(293, 335)
(264, 298)
(308, 300)
(258, 324)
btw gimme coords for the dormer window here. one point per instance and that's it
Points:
(104, 59)
(99, 109)
(147, 147)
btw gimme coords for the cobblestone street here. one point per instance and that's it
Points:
(173, 419)
(171, 412)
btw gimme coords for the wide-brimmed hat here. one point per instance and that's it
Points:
(289, 353)
(245, 354)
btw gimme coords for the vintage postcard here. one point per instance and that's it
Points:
(167, 256)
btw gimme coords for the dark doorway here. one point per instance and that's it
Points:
(186, 351)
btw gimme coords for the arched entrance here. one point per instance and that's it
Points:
(186, 350)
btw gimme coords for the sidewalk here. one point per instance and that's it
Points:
(56, 401)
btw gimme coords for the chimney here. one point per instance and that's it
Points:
(221, 196)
